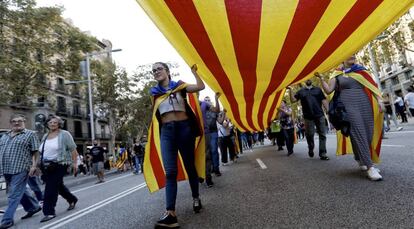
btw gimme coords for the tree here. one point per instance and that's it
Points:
(35, 43)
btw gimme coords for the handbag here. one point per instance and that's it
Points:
(337, 112)
(45, 165)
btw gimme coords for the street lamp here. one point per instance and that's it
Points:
(89, 81)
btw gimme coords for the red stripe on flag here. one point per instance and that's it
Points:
(155, 162)
(307, 16)
(356, 15)
(245, 30)
(187, 16)
(368, 77)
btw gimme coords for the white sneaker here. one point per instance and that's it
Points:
(399, 128)
(373, 174)
(363, 167)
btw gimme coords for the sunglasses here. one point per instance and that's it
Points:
(155, 70)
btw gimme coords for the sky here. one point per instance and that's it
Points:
(126, 25)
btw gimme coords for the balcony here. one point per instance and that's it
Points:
(80, 136)
(62, 111)
(103, 136)
(78, 114)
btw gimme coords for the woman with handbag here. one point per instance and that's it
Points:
(58, 152)
(179, 126)
(363, 105)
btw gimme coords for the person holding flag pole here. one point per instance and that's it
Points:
(364, 109)
(176, 126)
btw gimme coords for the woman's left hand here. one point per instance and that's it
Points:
(194, 68)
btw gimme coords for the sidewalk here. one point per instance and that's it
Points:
(69, 180)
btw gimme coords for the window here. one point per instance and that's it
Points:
(40, 101)
(76, 109)
(75, 90)
(382, 84)
(408, 74)
(395, 80)
(78, 128)
(60, 84)
(61, 104)
(103, 134)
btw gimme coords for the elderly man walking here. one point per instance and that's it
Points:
(18, 160)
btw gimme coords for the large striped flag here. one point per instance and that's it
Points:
(249, 50)
(154, 172)
(371, 90)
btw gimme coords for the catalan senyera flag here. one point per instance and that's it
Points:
(249, 50)
(344, 145)
(154, 172)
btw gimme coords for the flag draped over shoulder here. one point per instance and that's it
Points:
(154, 172)
(360, 74)
(249, 51)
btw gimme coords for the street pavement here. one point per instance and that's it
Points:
(278, 192)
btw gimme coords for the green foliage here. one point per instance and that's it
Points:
(34, 43)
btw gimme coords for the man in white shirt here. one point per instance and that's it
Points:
(409, 100)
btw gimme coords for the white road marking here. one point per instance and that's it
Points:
(262, 165)
(92, 186)
(400, 132)
(76, 215)
(393, 145)
(106, 182)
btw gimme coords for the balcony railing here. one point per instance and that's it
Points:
(78, 135)
(103, 136)
(63, 111)
(78, 114)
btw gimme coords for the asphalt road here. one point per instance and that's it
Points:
(291, 192)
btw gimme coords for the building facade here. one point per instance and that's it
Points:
(69, 101)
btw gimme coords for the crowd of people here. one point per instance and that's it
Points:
(23, 157)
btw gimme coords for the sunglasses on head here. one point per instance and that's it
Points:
(154, 70)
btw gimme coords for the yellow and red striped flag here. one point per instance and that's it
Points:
(371, 90)
(154, 172)
(249, 50)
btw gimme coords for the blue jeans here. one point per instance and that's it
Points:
(138, 163)
(34, 184)
(18, 193)
(176, 136)
(214, 151)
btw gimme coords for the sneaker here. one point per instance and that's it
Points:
(167, 221)
(280, 148)
(218, 173)
(324, 158)
(289, 153)
(310, 153)
(399, 128)
(373, 174)
(363, 167)
(209, 182)
(197, 205)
